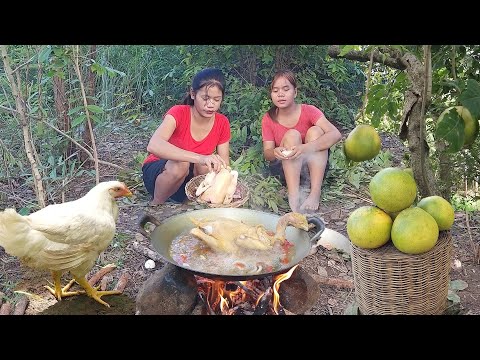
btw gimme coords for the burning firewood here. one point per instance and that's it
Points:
(253, 297)
(264, 303)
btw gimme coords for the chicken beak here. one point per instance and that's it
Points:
(124, 192)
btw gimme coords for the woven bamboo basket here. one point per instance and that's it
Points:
(239, 198)
(389, 282)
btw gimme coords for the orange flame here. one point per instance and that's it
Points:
(223, 304)
(276, 286)
(219, 297)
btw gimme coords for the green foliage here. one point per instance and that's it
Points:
(452, 129)
(250, 161)
(470, 98)
(343, 171)
(352, 309)
(465, 203)
(120, 240)
(385, 99)
(267, 193)
(453, 287)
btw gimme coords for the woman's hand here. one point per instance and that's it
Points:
(213, 162)
(296, 151)
(283, 153)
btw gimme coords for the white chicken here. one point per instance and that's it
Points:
(66, 237)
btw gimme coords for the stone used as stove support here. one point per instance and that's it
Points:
(168, 291)
(173, 291)
(299, 293)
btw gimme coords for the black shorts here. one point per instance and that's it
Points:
(276, 169)
(150, 172)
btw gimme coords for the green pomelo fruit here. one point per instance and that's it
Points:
(363, 143)
(414, 231)
(441, 210)
(369, 227)
(393, 189)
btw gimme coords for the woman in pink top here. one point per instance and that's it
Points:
(192, 139)
(297, 135)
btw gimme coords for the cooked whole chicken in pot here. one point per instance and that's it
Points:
(228, 235)
(228, 246)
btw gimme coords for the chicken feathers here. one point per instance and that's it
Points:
(65, 237)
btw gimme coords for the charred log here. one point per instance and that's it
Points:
(264, 303)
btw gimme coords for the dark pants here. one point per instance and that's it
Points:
(276, 169)
(153, 169)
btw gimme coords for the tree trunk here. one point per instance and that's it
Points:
(444, 173)
(413, 125)
(27, 140)
(90, 91)
(61, 106)
(412, 114)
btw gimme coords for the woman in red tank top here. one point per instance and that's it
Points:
(192, 139)
(297, 138)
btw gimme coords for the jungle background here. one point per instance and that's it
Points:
(74, 115)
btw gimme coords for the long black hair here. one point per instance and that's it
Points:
(207, 77)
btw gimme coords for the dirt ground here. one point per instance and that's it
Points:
(17, 281)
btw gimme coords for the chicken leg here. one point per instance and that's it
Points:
(220, 245)
(93, 292)
(60, 292)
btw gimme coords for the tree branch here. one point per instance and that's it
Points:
(90, 156)
(30, 149)
(389, 58)
(87, 112)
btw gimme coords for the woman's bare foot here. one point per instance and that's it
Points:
(293, 202)
(310, 204)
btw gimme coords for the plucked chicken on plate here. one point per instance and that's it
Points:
(66, 237)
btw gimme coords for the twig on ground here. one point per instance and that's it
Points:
(104, 282)
(146, 251)
(6, 308)
(122, 282)
(21, 305)
(339, 283)
(475, 247)
(357, 195)
(101, 273)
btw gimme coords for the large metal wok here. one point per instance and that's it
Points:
(164, 233)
